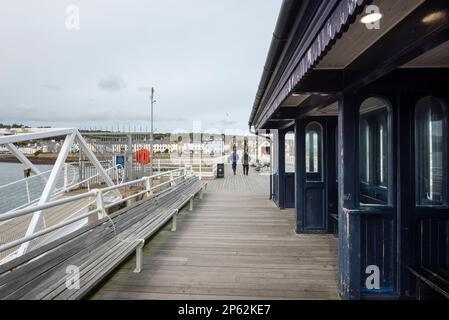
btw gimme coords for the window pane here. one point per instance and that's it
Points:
(313, 151)
(383, 153)
(373, 151)
(364, 149)
(430, 152)
(290, 152)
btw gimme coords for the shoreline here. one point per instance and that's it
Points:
(50, 160)
(34, 160)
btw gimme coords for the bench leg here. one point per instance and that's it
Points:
(191, 204)
(173, 223)
(139, 257)
(201, 194)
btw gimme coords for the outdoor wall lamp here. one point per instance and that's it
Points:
(371, 18)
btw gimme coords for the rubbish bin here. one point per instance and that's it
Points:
(220, 170)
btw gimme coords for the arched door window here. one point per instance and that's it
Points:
(313, 154)
(290, 152)
(431, 152)
(374, 151)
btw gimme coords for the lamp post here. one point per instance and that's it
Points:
(151, 131)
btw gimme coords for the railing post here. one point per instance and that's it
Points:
(148, 186)
(139, 256)
(100, 204)
(66, 179)
(172, 182)
(28, 191)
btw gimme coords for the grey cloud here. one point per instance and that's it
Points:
(52, 87)
(29, 112)
(227, 123)
(80, 77)
(112, 83)
(144, 89)
(20, 111)
(174, 119)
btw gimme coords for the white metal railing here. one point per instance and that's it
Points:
(26, 191)
(203, 169)
(101, 206)
(208, 173)
(12, 194)
(115, 173)
(72, 137)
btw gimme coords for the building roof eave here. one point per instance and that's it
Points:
(285, 21)
(315, 43)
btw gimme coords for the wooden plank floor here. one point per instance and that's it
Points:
(235, 245)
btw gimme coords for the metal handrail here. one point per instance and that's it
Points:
(58, 191)
(72, 186)
(38, 234)
(92, 193)
(33, 176)
(98, 193)
(21, 212)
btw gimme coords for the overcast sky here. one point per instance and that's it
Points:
(204, 58)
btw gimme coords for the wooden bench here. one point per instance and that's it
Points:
(334, 217)
(438, 281)
(95, 250)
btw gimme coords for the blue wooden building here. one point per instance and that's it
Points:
(363, 89)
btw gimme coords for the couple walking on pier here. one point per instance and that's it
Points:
(245, 162)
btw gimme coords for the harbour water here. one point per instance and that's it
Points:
(10, 172)
(13, 195)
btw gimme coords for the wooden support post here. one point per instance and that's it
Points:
(405, 191)
(300, 176)
(348, 180)
(281, 169)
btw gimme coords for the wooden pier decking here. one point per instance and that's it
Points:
(235, 244)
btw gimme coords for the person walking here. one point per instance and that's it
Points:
(246, 160)
(234, 159)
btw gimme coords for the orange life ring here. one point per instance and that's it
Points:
(143, 156)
